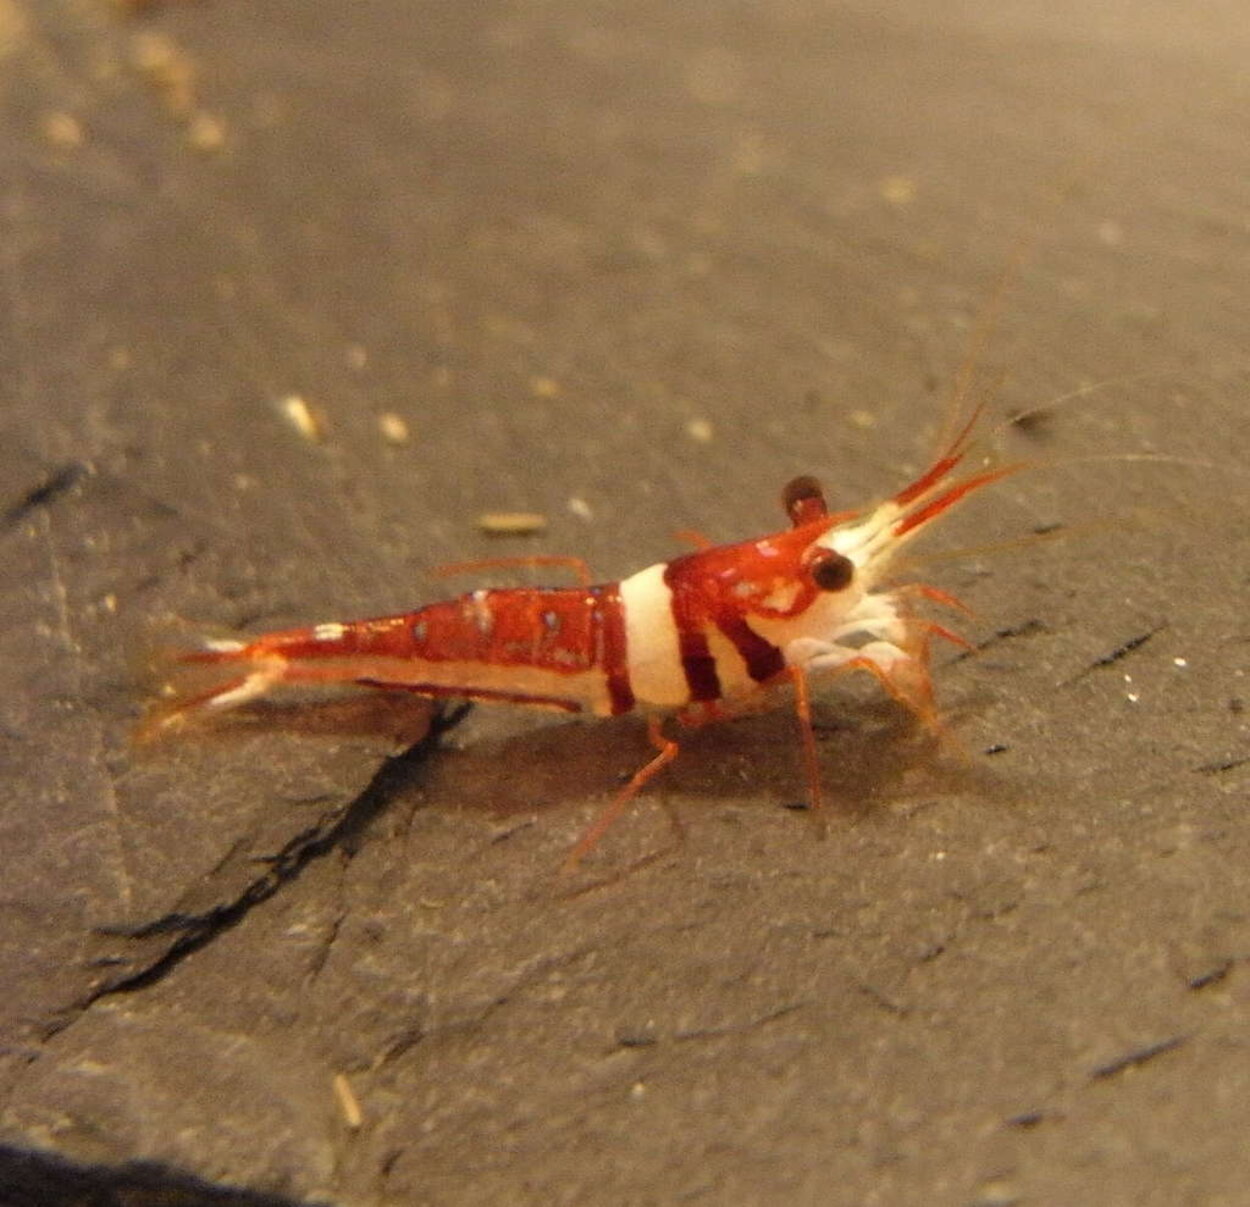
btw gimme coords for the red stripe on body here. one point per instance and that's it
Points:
(690, 611)
(614, 649)
(561, 630)
(724, 587)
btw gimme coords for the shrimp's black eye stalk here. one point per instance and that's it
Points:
(833, 571)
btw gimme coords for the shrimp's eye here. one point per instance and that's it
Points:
(832, 571)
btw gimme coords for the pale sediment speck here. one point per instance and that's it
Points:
(511, 523)
(394, 428)
(897, 190)
(304, 418)
(349, 1104)
(206, 132)
(62, 130)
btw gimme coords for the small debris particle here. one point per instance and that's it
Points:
(511, 523)
(862, 420)
(153, 53)
(394, 428)
(544, 387)
(357, 357)
(1034, 422)
(700, 431)
(206, 132)
(638, 1090)
(996, 1192)
(167, 69)
(580, 508)
(62, 130)
(349, 1104)
(898, 190)
(1219, 765)
(643, 1038)
(1212, 976)
(997, 748)
(1026, 1119)
(1182, 663)
(305, 419)
(57, 483)
(1139, 1056)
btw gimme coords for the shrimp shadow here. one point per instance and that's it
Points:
(399, 719)
(872, 754)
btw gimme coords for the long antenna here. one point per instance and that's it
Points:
(990, 313)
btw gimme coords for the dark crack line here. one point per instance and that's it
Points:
(408, 1037)
(57, 483)
(1026, 628)
(1120, 651)
(197, 930)
(1212, 976)
(742, 1028)
(1138, 1056)
(1222, 765)
(322, 955)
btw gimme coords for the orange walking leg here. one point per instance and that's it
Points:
(811, 764)
(667, 752)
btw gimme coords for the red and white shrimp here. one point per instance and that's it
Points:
(701, 637)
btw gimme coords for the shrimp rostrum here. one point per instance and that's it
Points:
(701, 637)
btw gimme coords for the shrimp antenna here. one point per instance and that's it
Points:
(954, 430)
(1043, 410)
(1064, 531)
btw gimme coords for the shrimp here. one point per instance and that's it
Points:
(702, 637)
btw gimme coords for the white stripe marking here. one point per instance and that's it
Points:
(653, 655)
(331, 631)
(223, 645)
(251, 687)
